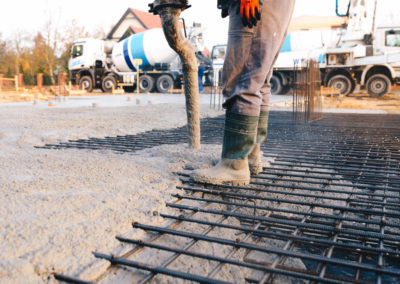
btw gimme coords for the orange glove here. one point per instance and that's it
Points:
(250, 12)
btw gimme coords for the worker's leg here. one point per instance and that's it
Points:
(255, 162)
(239, 138)
(251, 54)
(245, 75)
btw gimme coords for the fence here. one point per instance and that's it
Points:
(9, 84)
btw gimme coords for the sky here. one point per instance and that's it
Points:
(29, 16)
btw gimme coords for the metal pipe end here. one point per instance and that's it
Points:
(157, 5)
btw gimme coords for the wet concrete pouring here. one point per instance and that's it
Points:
(326, 209)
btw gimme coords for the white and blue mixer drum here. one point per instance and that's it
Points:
(150, 46)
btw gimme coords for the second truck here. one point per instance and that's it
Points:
(364, 52)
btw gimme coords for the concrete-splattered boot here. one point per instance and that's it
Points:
(239, 138)
(255, 163)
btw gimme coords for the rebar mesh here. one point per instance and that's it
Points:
(216, 97)
(307, 99)
(326, 209)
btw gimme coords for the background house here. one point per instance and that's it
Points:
(133, 22)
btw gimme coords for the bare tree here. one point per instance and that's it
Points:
(19, 39)
(54, 41)
(99, 32)
(72, 32)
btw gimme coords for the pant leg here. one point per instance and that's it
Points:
(251, 54)
(266, 93)
(266, 89)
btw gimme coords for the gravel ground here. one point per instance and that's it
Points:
(58, 206)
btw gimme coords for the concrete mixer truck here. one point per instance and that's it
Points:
(364, 52)
(105, 65)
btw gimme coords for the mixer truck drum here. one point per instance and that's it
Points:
(157, 5)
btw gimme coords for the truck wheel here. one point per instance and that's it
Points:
(128, 89)
(276, 85)
(378, 85)
(146, 83)
(86, 83)
(164, 83)
(286, 89)
(341, 83)
(108, 83)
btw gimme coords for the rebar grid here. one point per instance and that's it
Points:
(326, 209)
(307, 100)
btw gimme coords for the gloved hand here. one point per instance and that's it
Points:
(250, 12)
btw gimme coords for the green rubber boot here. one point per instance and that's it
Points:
(255, 163)
(239, 138)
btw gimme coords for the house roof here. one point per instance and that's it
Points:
(136, 30)
(148, 20)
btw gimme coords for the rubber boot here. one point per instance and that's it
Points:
(239, 138)
(255, 163)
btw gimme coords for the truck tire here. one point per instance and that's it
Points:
(129, 89)
(286, 89)
(341, 83)
(108, 83)
(378, 85)
(276, 85)
(86, 83)
(146, 83)
(164, 83)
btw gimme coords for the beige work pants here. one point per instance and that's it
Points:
(251, 54)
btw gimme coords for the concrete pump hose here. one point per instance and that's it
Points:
(172, 30)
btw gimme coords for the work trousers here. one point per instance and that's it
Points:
(251, 55)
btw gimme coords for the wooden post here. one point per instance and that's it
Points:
(62, 78)
(1, 80)
(137, 83)
(16, 83)
(39, 80)
(20, 80)
(137, 63)
(69, 88)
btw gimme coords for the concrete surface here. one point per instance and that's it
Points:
(122, 100)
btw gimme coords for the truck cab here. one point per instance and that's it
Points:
(85, 52)
(89, 68)
(387, 40)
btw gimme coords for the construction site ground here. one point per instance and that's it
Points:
(389, 103)
(58, 206)
(358, 101)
